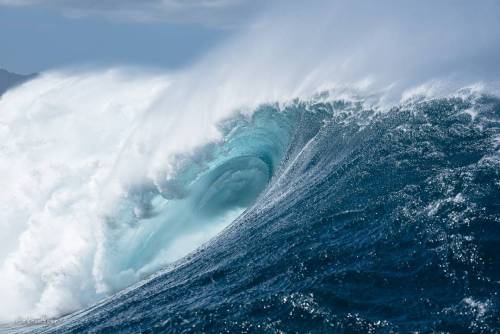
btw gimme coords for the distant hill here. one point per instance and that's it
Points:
(9, 80)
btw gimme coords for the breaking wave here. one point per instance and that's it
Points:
(346, 186)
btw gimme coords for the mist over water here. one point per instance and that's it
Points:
(108, 175)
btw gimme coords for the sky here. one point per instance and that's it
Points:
(39, 35)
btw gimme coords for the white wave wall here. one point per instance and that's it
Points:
(61, 136)
(72, 143)
(74, 146)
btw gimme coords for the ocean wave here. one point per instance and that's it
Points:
(352, 187)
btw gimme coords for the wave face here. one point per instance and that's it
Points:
(367, 222)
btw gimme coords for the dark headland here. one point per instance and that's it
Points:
(9, 80)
